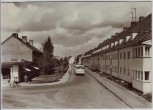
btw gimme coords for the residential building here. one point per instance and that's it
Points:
(126, 55)
(19, 58)
(71, 60)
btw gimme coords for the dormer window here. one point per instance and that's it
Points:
(112, 44)
(120, 41)
(116, 42)
(105, 47)
(127, 38)
(134, 35)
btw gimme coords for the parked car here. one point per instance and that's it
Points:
(79, 70)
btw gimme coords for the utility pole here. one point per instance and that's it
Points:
(18, 30)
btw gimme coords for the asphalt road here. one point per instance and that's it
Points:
(79, 92)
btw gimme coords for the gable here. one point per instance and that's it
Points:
(15, 49)
(13, 45)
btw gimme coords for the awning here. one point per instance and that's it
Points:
(35, 67)
(27, 69)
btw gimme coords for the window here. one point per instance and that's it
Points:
(116, 69)
(138, 74)
(124, 70)
(142, 75)
(147, 51)
(128, 71)
(120, 55)
(133, 52)
(141, 51)
(146, 75)
(135, 74)
(117, 55)
(136, 52)
(128, 54)
(124, 55)
(120, 70)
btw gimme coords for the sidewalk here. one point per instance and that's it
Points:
(64, 79)
(122, 93)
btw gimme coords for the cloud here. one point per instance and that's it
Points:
(74, 27)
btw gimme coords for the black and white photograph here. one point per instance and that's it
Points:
(76, 55)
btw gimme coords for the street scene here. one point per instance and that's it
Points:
(77, 92)
(76, 55)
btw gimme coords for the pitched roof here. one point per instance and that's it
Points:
(26, 43)
(78, 56)
(142, 27)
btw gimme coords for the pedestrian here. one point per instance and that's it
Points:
(14, 83)
(25, 78)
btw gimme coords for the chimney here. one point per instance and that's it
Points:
(125, 28)
(24, 39)
(15, 34)
(116, 34)
(112, 36)
(31, 42)
(133, 23)
(141, 18)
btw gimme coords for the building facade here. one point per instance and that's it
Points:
(71, 60)
(126, 55)
(19, 58)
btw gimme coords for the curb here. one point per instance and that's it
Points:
(120, 97)
(110, 90)
(49, 84)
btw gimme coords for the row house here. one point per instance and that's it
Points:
(19, 58)
(127, 55)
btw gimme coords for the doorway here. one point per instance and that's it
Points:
(6, 72)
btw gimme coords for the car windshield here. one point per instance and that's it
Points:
(80, 67)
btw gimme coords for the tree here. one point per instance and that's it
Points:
(66, 62)
(48, 47)
(56, 62)
(48, 50)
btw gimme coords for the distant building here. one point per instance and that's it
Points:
(126, 55)
(71, 60)
(19, 57)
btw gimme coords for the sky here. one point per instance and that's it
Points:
(74, 27)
